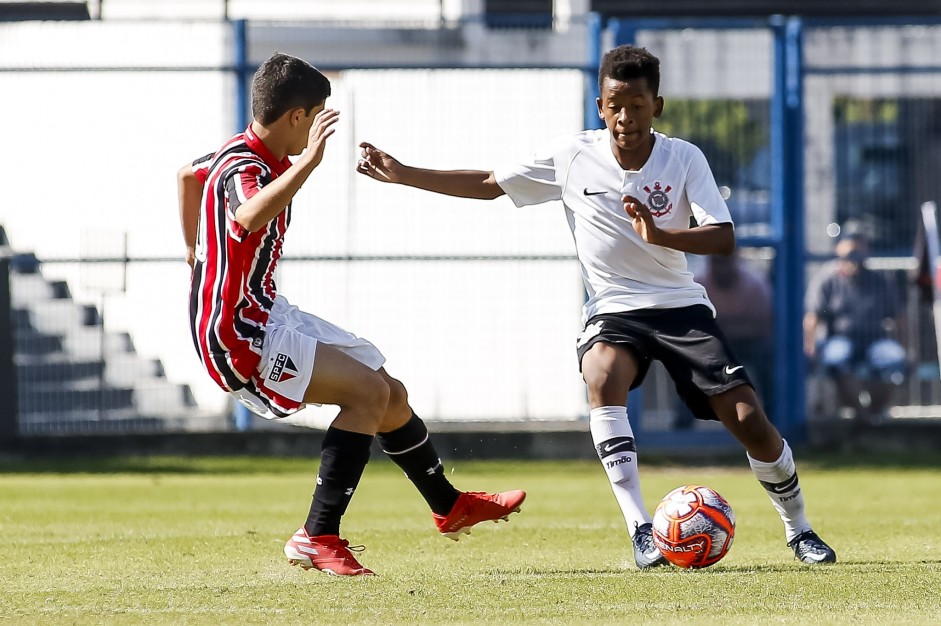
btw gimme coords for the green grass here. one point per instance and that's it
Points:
(198, 541)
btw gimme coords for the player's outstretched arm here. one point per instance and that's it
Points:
(265, 205)
(380, 166)
(190, 191)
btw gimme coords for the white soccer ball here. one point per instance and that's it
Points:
(693, 526)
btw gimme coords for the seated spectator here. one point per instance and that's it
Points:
(743, 299)
(852, 324)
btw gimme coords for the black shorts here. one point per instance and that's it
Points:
(686, 340)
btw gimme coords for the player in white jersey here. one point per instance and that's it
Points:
(629, 193)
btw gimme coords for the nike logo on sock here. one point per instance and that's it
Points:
(617, 444)
(784, 486)
(608, 447)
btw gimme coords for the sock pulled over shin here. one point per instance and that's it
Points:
(779, 478)
(411, 449)
(343, 457)
(614, 441)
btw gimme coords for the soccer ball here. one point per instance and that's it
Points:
(693, 526)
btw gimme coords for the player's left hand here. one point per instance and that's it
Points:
(641, 219)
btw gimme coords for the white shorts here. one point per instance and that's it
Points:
(287, 361)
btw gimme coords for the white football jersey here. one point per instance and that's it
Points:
(621, 271)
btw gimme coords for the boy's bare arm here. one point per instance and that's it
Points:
(710, 239)
(380, 166)
(265, 205)
(190, 196)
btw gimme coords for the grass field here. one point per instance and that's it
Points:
(198, 541)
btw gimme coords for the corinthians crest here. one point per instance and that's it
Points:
(658, 200)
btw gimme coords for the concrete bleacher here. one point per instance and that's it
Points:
(75, 376)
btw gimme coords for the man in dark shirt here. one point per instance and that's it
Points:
(852, 321)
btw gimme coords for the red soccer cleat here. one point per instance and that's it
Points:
(477, 506)
(327, 553)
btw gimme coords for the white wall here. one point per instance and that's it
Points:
(90, 155)
(472, 340)
(278, 9)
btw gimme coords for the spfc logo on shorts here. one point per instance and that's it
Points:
(658, 200)
(283, 370)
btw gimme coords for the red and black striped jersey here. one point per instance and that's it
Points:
(201, 167)
(233, 287)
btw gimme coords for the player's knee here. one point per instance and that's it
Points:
(742, 414)
(752, 423)
(597, 378)
(608, 372)
(373, 397)
(398, 396)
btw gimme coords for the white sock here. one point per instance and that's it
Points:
(779, 479)
(614, 441)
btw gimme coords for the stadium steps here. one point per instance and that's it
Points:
(34, 343)
(33, 371)
(59, 397)
(95, 422)
(73, 377)
(60, 316)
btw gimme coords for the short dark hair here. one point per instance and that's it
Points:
(283, 83)
(626, 62)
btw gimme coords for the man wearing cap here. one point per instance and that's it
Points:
(853, 318)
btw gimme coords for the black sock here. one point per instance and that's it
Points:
(411, 449)
(343, 457)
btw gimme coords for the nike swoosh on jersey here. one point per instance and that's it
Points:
(592, 193)
(732, 370)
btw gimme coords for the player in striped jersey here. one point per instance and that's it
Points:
(235, 206)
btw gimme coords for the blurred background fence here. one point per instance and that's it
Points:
(807, 122)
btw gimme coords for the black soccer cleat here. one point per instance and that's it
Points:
(809, 548)
(646, 554)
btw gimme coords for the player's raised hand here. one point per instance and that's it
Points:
(320, 131)
(641, 219)
(377, 164)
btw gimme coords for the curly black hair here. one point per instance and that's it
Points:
(626, 62)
